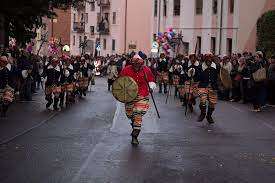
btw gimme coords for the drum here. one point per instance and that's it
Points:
(8, 96)
(48, 90)
(86, 82)
(125, 89)
(57, 90)
(70, 87)
(165, 77)
(81, 83)
(181, 90)
(176, 80)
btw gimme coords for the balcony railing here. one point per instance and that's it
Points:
(80, 6)
(79, 27)
(104, 3)
(103, 27)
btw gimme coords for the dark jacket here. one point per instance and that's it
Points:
(162, 66)
(4, 77)
(208, 77)
(53, 76)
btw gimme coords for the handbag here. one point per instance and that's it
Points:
(259, 75)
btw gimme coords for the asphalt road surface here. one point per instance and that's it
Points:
(90, 143)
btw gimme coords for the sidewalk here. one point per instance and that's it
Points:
(23, 116)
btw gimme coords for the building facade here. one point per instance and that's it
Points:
(118, 25)
(57, 28)
(217, 26)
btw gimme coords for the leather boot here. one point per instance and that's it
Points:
(203, 113)
(209, 115)
(135, 134)
(160, 88)
(49, 101)
(55, 104)
(165, 88)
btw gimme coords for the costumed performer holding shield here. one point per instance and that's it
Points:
(133, 87)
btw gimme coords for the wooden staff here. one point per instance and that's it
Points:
(151, 93)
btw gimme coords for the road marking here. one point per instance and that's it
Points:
(28, 130)
(117, 113)
(236, 108)
(85, 165)
(269, 126)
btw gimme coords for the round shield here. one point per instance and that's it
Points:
(225, 78)
(125, 89)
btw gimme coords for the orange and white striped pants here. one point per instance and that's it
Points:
(208, 94)
(136, 109)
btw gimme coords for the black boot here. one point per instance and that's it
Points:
(209, 115)
(165, 88)
(49, 101)
(203, 113)
(160, 88)
(135, 134)
(56, 100)
(191, 107)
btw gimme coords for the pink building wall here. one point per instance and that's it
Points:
(139, 24)
(248, 22)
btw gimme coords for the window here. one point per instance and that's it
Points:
(156, 8)
(199, 6)
(176, 7)
(104, 44)
(114, 17)
(199, 45)
(74, 17)
(164, 8)
(80, 40)
(231, 6)
(215, 7)
(98, 17)
(86, 17)
(113, 45)
(213, 45)
(74, 40)
(106, 16)
(82, 17)
(92, 29)
(92, 6)
(229, 46)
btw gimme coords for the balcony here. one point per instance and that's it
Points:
(104, 3)
(103, 27)
(80, 6)
(79, 27)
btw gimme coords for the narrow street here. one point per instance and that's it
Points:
(90, 143)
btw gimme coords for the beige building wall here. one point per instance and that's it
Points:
(249, 13)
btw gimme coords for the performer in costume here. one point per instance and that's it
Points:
(84, 77)
(176, 71)
(112, 73)
(207, 88)
(162, 71)
(68, 82)
(191, 85)
(6, 92)
(52, 84)
(139, 106)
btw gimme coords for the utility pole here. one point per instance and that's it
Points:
(221, 28)
(125, 28)
(159, 9)
(51, 4)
